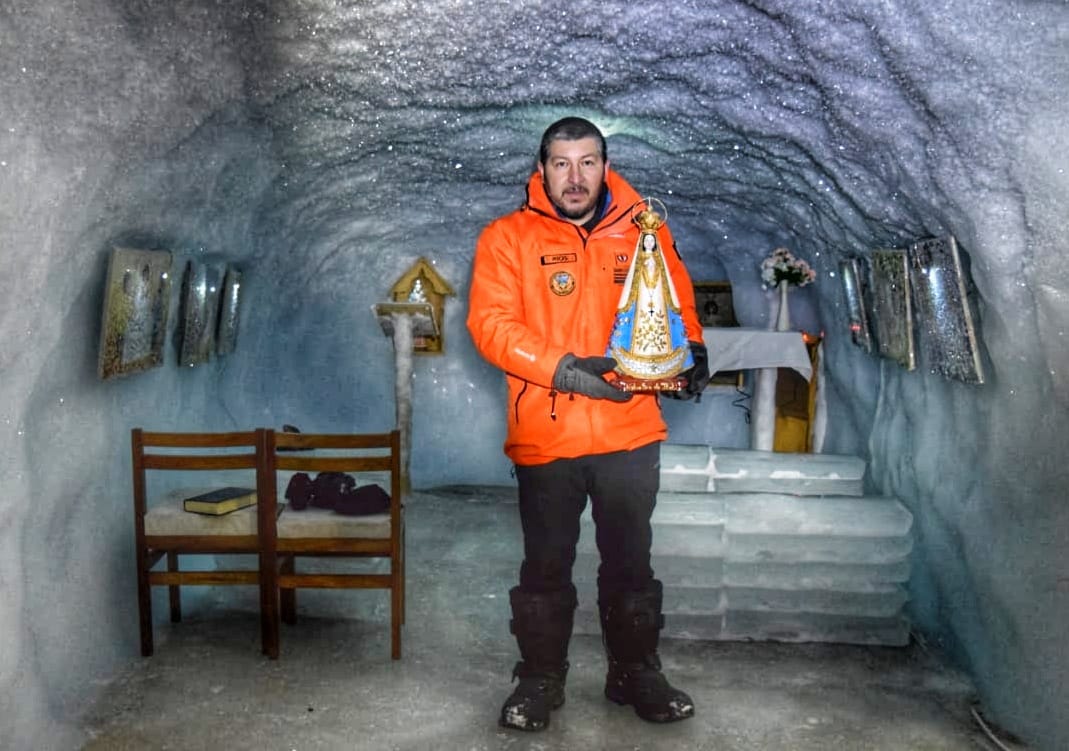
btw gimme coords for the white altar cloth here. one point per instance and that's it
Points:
(737, 348)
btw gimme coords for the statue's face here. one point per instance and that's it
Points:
(573, 175)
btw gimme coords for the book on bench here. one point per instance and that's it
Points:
(221, 501)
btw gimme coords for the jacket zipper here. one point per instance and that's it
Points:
(516, 404)
(583, 238)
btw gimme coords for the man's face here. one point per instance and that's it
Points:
(573, 174)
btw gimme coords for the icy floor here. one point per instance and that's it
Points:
(335, 686)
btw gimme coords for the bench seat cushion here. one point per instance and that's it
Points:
(317, 522)
(166, 517)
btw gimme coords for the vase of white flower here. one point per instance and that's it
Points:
(783, 316)
(783, 271)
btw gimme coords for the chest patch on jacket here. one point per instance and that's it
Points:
(619, 271)
(559, 258)
(562, 283)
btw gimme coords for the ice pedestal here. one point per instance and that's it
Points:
(763, 415)
(402, 321)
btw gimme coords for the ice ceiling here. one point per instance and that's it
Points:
(326, 145)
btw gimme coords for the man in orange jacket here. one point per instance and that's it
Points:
(546, 282)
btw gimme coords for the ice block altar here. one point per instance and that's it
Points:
(648, 340)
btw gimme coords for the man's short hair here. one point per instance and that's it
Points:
(571, 129)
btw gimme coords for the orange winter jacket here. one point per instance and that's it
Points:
(542, 287)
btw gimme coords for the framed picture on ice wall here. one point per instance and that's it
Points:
(715, 308)
(137, 296)
(713, 301)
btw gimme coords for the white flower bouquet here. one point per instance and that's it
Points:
(782, 266)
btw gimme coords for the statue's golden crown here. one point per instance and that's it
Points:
(648, 219)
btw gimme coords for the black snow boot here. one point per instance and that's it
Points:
(542, 624)
(630, 625)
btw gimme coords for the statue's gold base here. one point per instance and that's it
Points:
(645, 385)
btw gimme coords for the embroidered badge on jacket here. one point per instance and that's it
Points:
(562, 283)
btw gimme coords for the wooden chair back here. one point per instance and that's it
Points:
(293, 534)
(174, 533)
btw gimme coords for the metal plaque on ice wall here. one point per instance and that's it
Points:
(197, 316)
(945, 321)
(854, 290)
(229, 309)
(891, 307)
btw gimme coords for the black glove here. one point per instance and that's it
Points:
(697, 376)
(582, 375)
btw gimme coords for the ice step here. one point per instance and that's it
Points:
(889, 631)
(801, 575)
(869, 601)
(772, 566)
(753, 548)
(782, 513)
(775, 527)
(773, 514)
(692, 571)
(780, 509)
(703, 469)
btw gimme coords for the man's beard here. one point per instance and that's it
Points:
(579, 213)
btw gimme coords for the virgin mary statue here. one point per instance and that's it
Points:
(647, 340)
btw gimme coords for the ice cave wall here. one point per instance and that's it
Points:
(326, 145)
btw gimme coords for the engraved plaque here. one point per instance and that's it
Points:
(892, 307)
(199, 308)
(854, 290)
(229, 310)
(944, 318)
